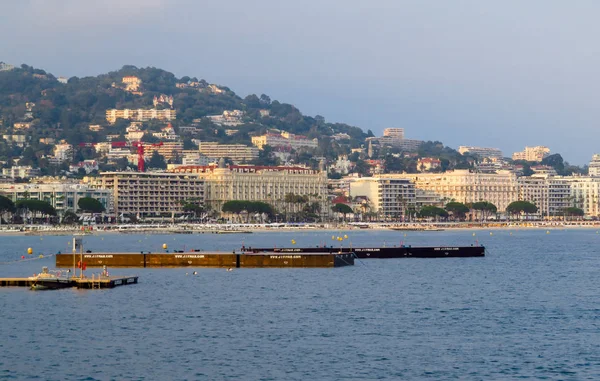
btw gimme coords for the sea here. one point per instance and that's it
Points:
(529, 309)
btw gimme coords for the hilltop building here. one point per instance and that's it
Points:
(537, 153)
(24, 172)
(140, 115)
(236, 152)
(132, 83)
(228, 118)
(482, 152)
(285, 140)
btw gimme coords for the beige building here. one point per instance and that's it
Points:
(594, 167)
(549, 193)
(537, 153)
(389, 196)
(236, 152)
(397, 133)
(468, 187)
(585, 193)
(62, 196)
(258, 183)
(168, 150)
(63, 152)
(148, 194)
(132, 83)
(140, 115)
(25, 171)
(284, 140)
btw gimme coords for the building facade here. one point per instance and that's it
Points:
(482, 152)
(594, 167)
(537, 153)
(284, 140)
(62, 196)
(468, 187)
(236, 152)
(390, 197)
(261, 183)
(550, 194)
(140, 115)
(147, 194)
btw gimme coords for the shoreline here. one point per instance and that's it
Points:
(44, 230)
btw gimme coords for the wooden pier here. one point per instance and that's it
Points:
(74, 282)
(206, 259)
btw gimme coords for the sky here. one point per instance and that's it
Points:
(502, 74)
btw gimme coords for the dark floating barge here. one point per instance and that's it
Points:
(206, 259)
(388, 252)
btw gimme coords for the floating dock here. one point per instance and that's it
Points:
(206, 259)
(387, 252)
(74, 282)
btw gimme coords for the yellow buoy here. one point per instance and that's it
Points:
(547, 231)
(333, 237)
(30, 251)
(165, 246)
(473, 234)
(345, 236)
(491, 233)
(293, 242)
(41, 256)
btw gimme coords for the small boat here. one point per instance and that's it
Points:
(50, 280)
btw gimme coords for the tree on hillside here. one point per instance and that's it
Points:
(156, 161)
(90, 205)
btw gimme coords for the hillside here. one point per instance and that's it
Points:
(48, 108)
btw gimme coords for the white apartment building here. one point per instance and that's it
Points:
(537, 153)
(468, 187)
(228, 118)
(482, 152)
(63, 152)
(62, 196)
(169, 150)
(390, 196)
(585, 193)
(140, 115)
(550, 194)
(6, 67)
(150, 194)
(594, 167)
(23, 172)
(236, 152)
(19, 140)
(258, 183)
(285, 140)
(397, 133)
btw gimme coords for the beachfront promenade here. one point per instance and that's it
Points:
(249, 228)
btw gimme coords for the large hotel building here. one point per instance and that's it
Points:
(258, 183)
(150, 194)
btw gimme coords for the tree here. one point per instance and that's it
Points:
(342, 208)
(458, 210)
(6, 205)
(518, 207)
(90, 205)
(430, 211)
(573, 212)
(70, 218)
(157, 161)
(485, 208)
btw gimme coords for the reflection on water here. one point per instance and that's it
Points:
(530, 308)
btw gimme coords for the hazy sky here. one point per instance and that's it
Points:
(505, 73)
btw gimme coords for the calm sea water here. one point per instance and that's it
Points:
(529, 309)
